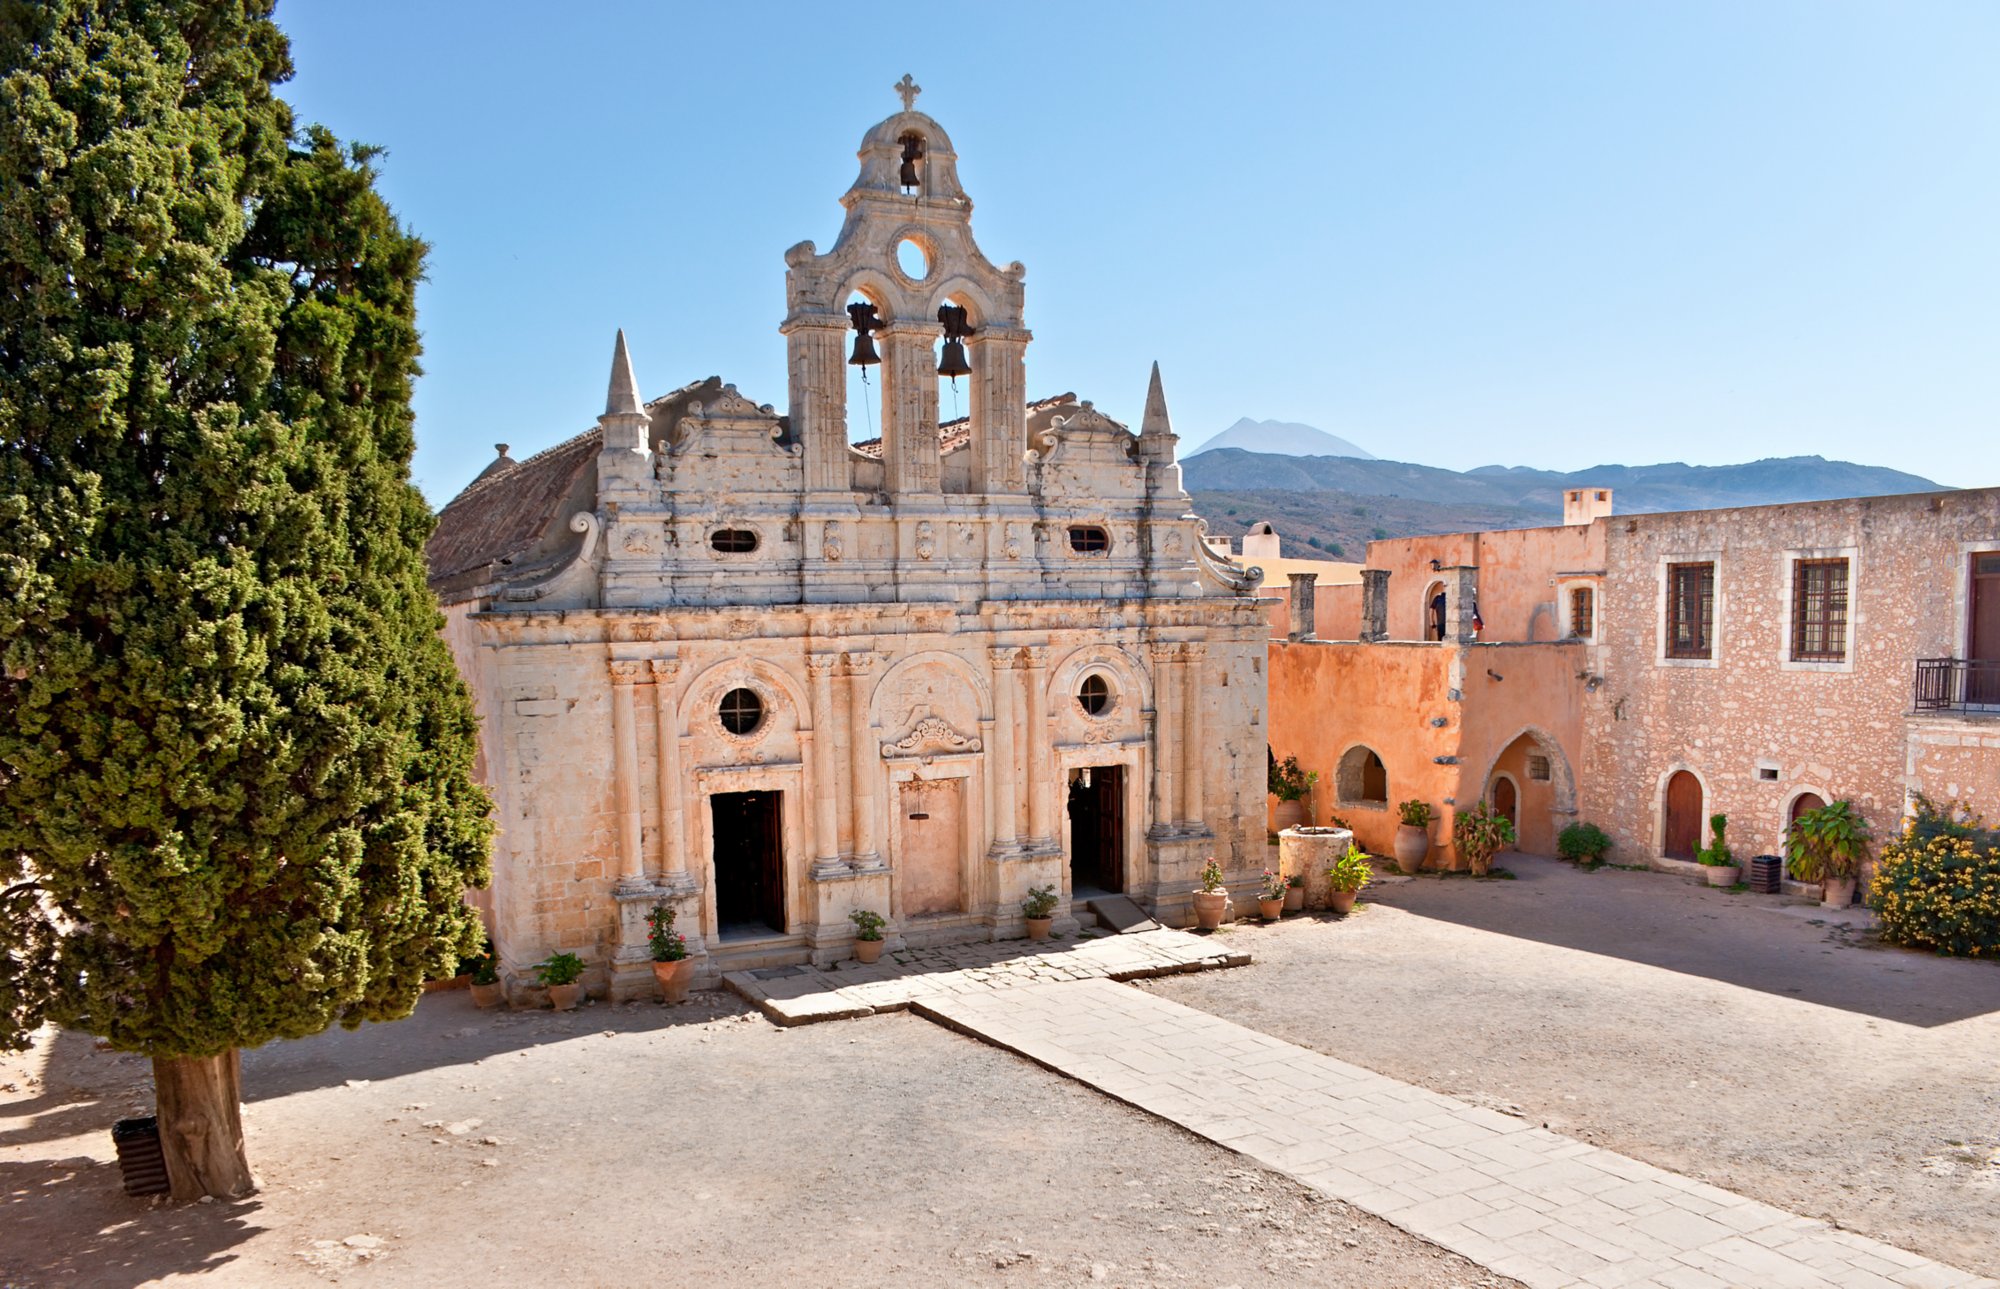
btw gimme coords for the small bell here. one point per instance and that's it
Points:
(913, 152)
(866, 323)
(952, 362)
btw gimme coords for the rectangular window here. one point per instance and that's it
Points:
(1582, 612)
(1690, 610)
(1819, 610)
(1538, 769)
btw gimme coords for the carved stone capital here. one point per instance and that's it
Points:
(1004, 657)
(1193, 653)
(860, 661)
(664, 669)
(1034, 657)
(1164, 652)
(625, 671)
(822, 664)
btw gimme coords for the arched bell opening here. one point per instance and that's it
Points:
(866, 389)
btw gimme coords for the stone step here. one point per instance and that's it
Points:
(1119, 915)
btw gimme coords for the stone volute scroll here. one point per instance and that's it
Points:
(929, 735)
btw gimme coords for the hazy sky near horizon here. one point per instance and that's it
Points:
(1546, 234)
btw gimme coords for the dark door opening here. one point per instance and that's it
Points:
(1507, 803)
(749, 863)
(1982, 646)
(1683, 831)
(1097, 829)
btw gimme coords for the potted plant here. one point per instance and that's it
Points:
(868, 926)
(1040, 910)
(1289, 784)
(1345, 878)
(1828, 846)
(1295, 892)
(1413, 835)
(560, 973)
(1718, 865)
(1478, 834)
(1583, 843)
(486, 990)
(1271, 900)
(1211, 902)
(671, 965)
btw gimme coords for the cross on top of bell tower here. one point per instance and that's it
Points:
(908, 90)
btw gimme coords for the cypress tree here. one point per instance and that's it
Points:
(236, 794)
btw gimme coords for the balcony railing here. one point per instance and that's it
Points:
(1957, 685)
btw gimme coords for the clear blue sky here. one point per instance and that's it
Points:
(1549, 234)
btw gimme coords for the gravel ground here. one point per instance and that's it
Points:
(1761, 1046)
(696, 1145)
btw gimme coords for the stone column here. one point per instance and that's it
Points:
(1299, 609)
(625, 676)
(867, 760)
(1166, 681)
(1464, 599)
(1374, 605)
(1194, 746)
(1040, 773)
(825, 754)
(1006, 807)
(666, 720)
(999, 421)
(909, 431)
(818, 391)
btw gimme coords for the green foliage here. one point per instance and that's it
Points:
(1479, 834)
(1828, 843)
(868, 924)
(1379, 534)
(1583, 843)
(1336, 550)
(1938, 885)
(1041, 902)
(486, 967)
(236, 800)
(559, 969)
(1274, 885)
(1415, 813)
(667, 944)
(1211, 876)
(1287, 781)
(1716, 853)
(1351, 871)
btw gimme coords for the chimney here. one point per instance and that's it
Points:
(1374, 605)
(1261, 542)
(1583, 505)
(1299, 609)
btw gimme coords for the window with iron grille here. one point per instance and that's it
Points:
(1088, 539)
(1582, 612)
(1538, 769)
(1690, 610)
(1819, 610)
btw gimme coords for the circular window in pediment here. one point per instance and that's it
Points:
(910, 258)
(741, 711)
(1094, 695)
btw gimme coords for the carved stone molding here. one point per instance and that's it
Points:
(930, 735)
(664, 669)
(630, 671)
(822, 663)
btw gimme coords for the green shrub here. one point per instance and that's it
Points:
(1415, 813)
(1041, 902)
(1583, 843)
(559, 969)
(1828, 843)
(1938, 885)
(1479, 834)
(1287, 781)
(1716, 853)
(1351, 871)
(868, 924)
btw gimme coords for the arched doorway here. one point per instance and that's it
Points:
(1800, 804)
(1681, 836)
(1507, 803)
(1435, 606)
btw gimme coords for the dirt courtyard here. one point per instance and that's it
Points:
(639, 1144)
(1764, 1047)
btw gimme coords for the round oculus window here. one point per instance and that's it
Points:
(1094, 696)
(742, 711)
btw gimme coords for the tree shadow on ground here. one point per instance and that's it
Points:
(68, 1221)
(1761, 942)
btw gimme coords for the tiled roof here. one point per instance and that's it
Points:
(953, 435)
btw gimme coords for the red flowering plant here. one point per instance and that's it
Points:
(1274, 885)
(668, 944)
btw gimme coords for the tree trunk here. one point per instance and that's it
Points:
(200, 1102)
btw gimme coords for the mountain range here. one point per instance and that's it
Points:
(1288, 438)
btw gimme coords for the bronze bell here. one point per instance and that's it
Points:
(866, 323)
(913, 152)
(952, 363)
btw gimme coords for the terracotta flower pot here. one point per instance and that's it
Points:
(1412, 844)
(1288, 814)
(1038, 928)
(1341, 901)
(563, 997)
(1271, 910)
(1836, 892)
(489, 995)
(868, 950)
(1722, 874)
(1295, 898)
(1209, 907)
(674, 978)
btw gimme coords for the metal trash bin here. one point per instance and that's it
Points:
(140, 1159)
(1767, 874)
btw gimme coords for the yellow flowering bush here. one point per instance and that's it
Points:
(1938, 885)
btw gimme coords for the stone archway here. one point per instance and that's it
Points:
(1544, 787)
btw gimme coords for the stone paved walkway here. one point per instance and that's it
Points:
(1545, 1209)
(802, 995)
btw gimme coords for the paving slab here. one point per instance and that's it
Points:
(806, 995)
(1550, 1211)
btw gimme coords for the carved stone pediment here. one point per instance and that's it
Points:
(729, 423)
(929, 735)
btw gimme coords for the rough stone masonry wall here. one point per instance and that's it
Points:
(1841, 732)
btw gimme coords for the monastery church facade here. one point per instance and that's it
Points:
(730, 661)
